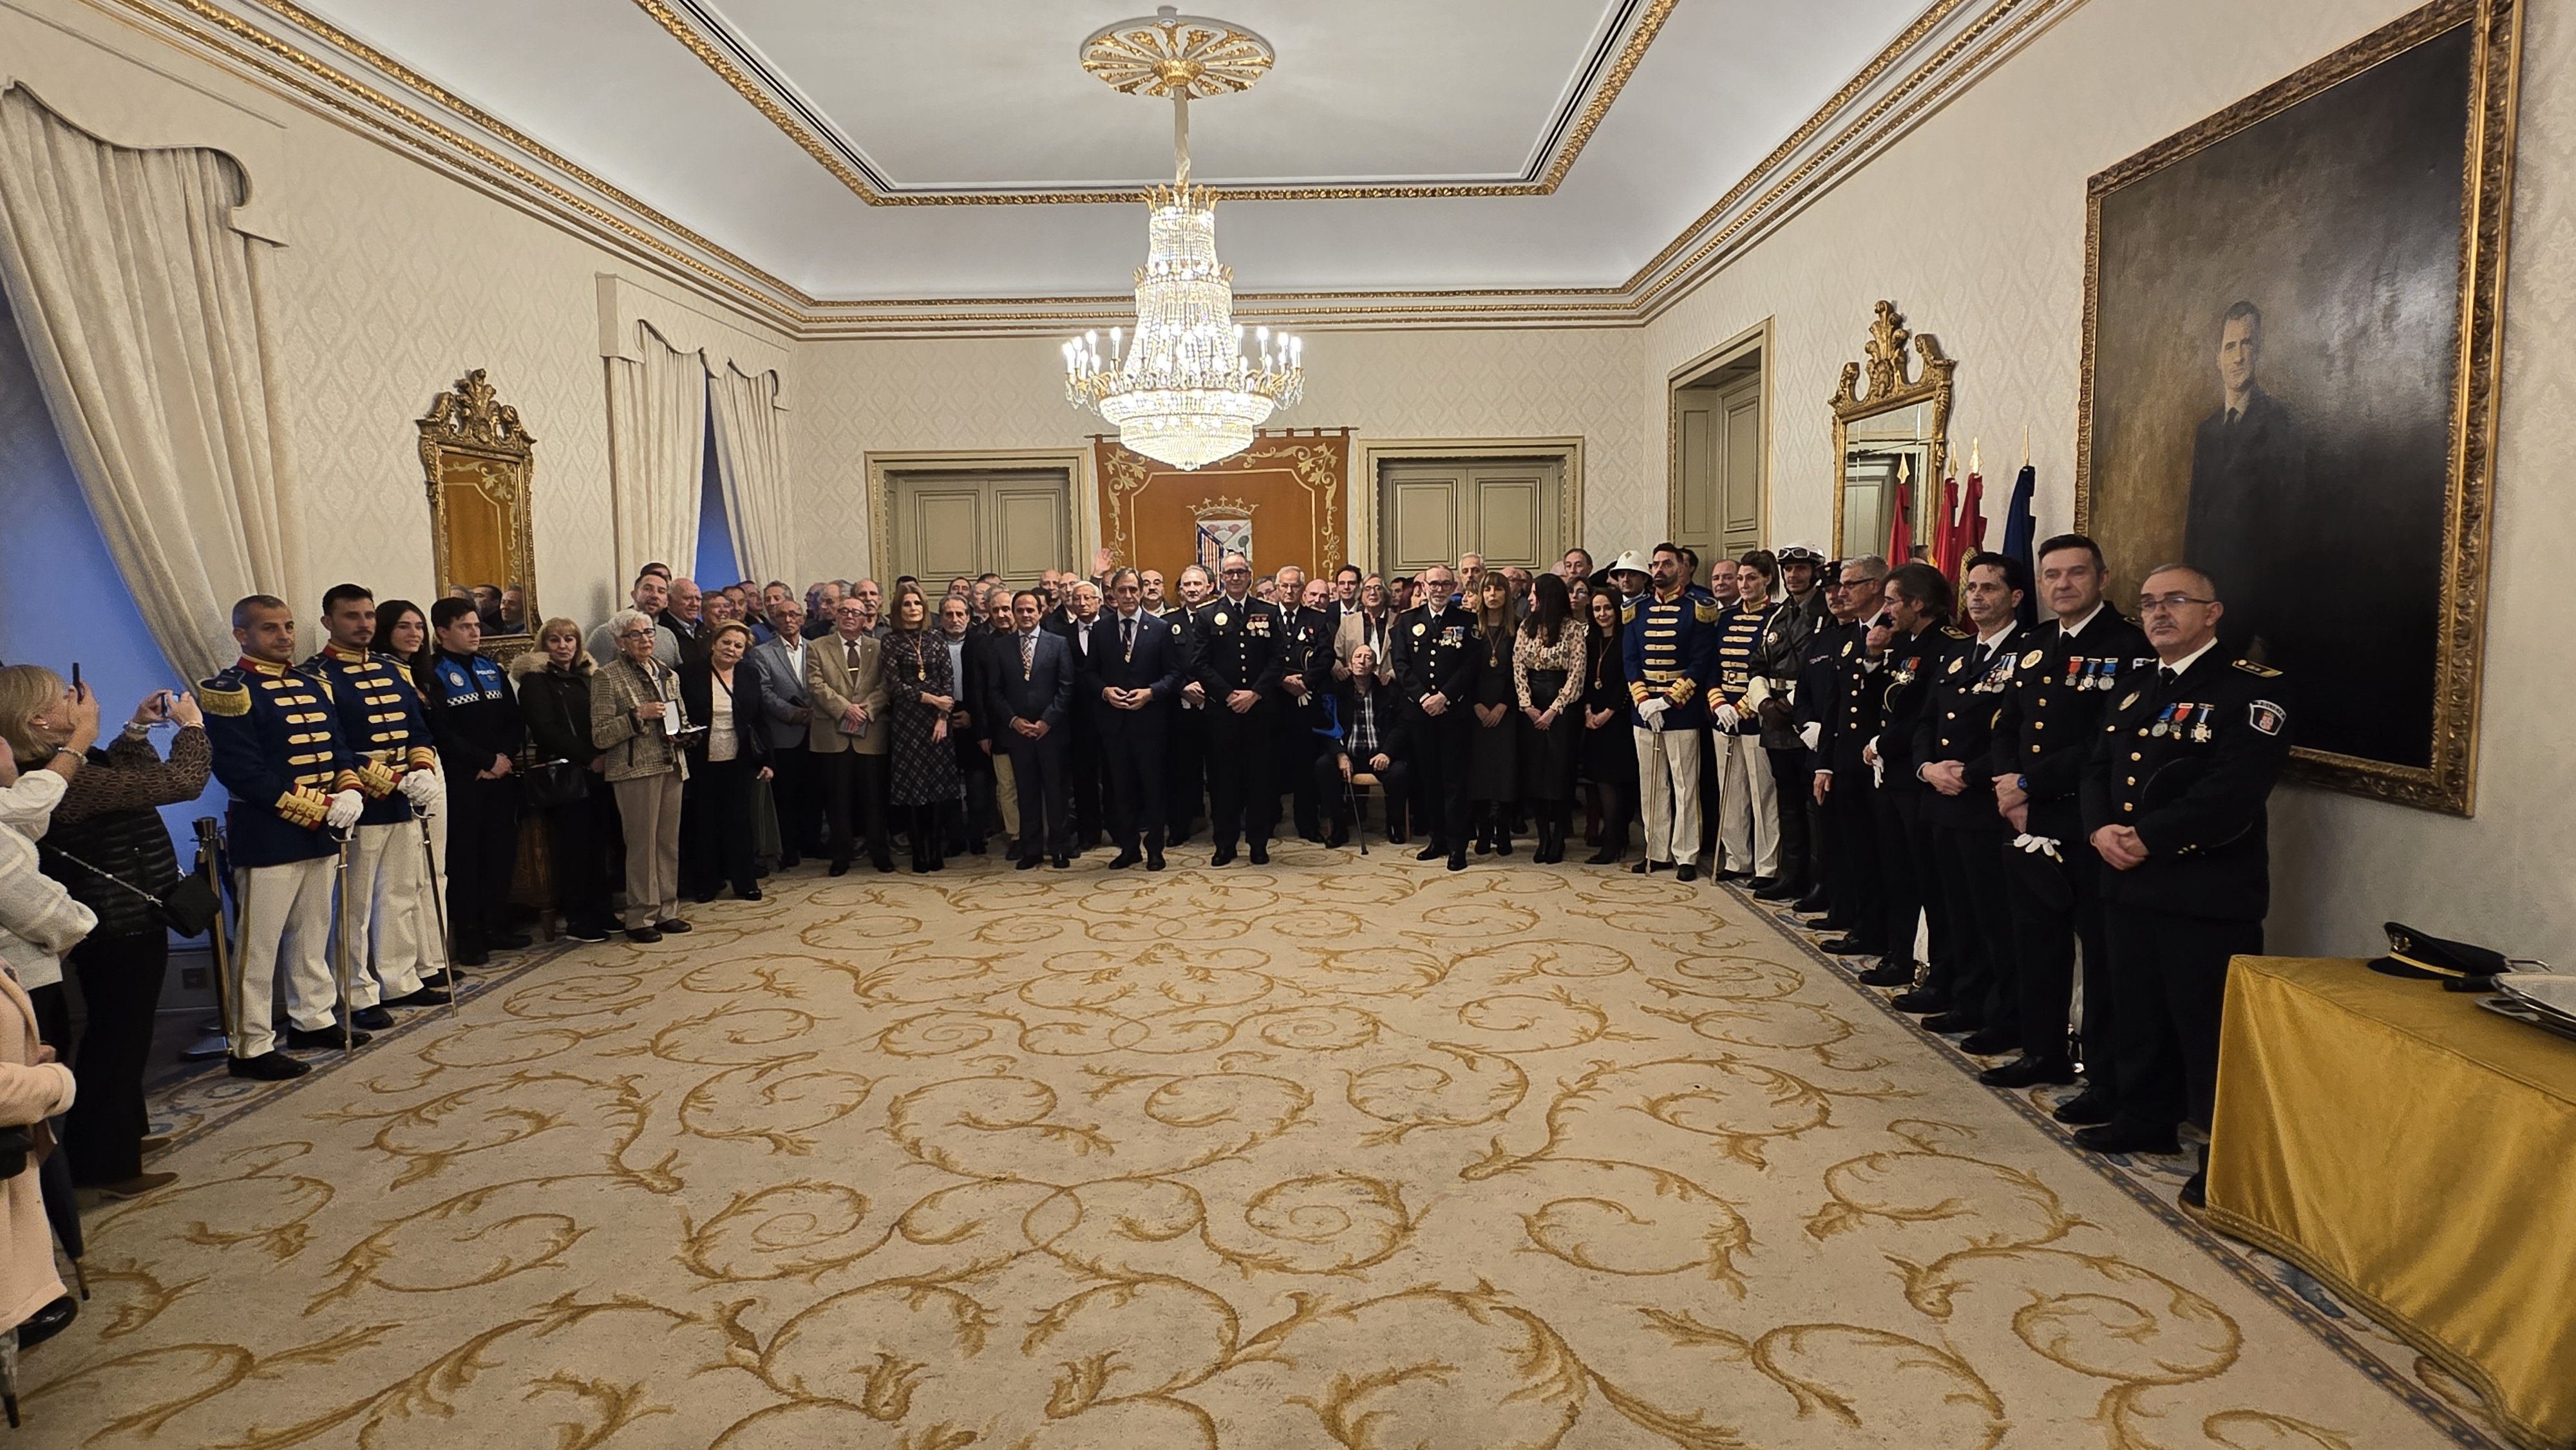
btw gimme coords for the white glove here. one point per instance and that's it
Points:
(344, 810)
(422, 788)
(2038, 845)
(1652, 711)
(1725, 717)
(1811, 733)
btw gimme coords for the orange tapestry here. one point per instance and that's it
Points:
(1281, 501)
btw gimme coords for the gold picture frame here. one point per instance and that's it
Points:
(1893, 388)
(2134, 514)
(477, 460)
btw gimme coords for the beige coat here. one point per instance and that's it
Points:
(1353, 634)
(30, 1092)
(832, 684)
(632, 751)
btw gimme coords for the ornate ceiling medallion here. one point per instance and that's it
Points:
(1183, 389)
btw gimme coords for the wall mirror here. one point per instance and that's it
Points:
(1891, 444)
(477, 460)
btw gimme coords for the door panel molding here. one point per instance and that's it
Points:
(1374, 455)
(1081, 489)
(1754, 343)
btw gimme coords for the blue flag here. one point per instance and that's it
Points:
(2021, 531)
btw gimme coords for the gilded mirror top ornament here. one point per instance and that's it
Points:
(1169, 53)
(1884, 359)
(470, 413)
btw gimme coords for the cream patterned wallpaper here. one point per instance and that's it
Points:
(905, 396)
(1974, 225)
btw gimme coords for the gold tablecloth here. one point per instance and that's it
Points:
(2418, 1155)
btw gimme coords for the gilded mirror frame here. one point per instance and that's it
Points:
(1891, 387)
(469, 438)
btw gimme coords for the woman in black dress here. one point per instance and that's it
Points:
(924, 765)
(1493, 757)
(726, 764)
(1609, 755)
(554, 698)
(1547, 679)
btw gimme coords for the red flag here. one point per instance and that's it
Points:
(1900, 532)
(1945, 530)
(1972, 523)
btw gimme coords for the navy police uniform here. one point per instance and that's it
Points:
(278, 752)
(474, 717)
(1969, 838)
(1309, 654)
(1838, 699)
(1185, 765)
(1242, 645)
(381, 911)
(2052, 712)
(1434, 649)
(1906, 859)
(2186, 759)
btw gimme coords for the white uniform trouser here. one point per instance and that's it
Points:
(385, 871)
(285, 920)
(409, 945)
(1668, 788)
(1748, 806)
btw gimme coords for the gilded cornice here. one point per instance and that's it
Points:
(422, 117)
(723, 54)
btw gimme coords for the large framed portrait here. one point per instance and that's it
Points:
(2292, 329)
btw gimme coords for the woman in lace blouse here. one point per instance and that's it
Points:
(1547, 677)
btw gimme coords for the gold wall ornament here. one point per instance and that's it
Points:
(1900, 426)
(476, 461)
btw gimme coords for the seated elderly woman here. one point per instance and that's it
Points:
(637, 723)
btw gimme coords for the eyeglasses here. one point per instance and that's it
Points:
(635, 634)
(2167, 603)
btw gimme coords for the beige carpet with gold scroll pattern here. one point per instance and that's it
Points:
(1324, 1154)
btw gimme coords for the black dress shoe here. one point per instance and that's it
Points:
(427, 996)
(1123, 860)
(672, 927)
(1027, 863)
(1723, 875)
(516, 941)
(1953, 1021)
(269, 1066)
(1458, 860)
(2085, 1109)
(1224, 856)
(1843, 946)
(1989, 1042)
(642, 935)
(748, 893)
(323, 1037)
(1811, 904)
(1890, 972)
(838, 868)
(1687, 871)
(1153, 860)
(1337, 840)
(2028, 1071)
(884, 865)
(472, 957)
(1431, 852)
(1260, 853)
(2118, 1137)
(45, 1323)
(702, 898)
(583, 931)
(440, 981)
(1606, 856)
(2194, 1195)
(1921, 999)
(374, 1019)
(1060, 861)
(1772, 889)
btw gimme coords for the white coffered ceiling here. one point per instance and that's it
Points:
(857, 150)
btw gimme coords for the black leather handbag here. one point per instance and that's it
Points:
(187, 908)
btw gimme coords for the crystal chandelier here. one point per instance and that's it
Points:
(1189, 387)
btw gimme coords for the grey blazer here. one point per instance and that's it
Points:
(783, 690)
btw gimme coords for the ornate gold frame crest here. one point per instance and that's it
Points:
(1892, 386)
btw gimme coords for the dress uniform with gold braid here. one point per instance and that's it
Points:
(383, 912)
(1969, 837)
(1670, 648)
(2052, 712)
(1905, 834)
(1242, 645)
(1748, 828)
(2187, 759)
(279, 755)
(1434, 649)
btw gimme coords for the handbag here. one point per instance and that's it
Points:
(188, 909)
(552, 783)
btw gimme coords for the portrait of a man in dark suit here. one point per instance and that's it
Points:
(2249, 474)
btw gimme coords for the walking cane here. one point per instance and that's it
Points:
(438, 904)
(228, 992)
(340, 948)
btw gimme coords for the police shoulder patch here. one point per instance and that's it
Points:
(2260, 672)
(2265, 716)
(222, 699)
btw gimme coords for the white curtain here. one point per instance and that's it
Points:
(751, 451)
(150, 324)
(657, 438)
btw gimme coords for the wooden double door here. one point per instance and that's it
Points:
(1511, 510)
(1013, 522)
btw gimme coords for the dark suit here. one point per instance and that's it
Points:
(716, 846)
(1039, 690)
(2248, 499)
(1082, 738)
(1131, 741)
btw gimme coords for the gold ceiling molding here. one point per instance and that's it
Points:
(628, 225)
(875, 191)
